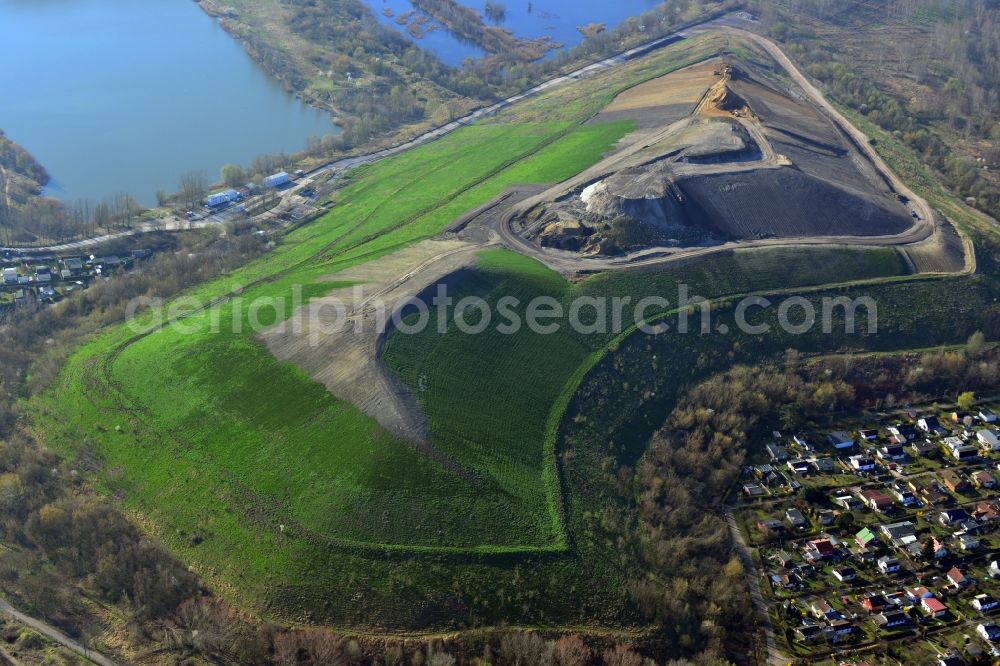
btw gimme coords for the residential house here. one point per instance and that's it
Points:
(111, 262)
(931, 425)
(865, 538)
(994, 569)
(819, 549)
(848, 502)
(987, 416)
(984, 603)
(984, 479)
(821, 609)
(933, 607)
(938, 549)
(840, 440)
(770, 525)
(809, 632)
(899, 598)
(891, 452)
(918, 593)
(822, 465)
(989, 632)
(904, 432)
(795, 518)
(766, 474)
(968, 526)
(923, 447)
(930, 494)
(989, 439)
(803, 442)
(868, 434)
(862, 463)
(986, 512)
(967, 542)
(951, 659)
(889, 565)
(874, 603)
(786, 581)
(753, 490)
(904, 496)
(892, 619)
(900, 535)
(957, 578)
(783, 558)
(863, 556)
(844, 574)
(877, 500)
(839, 630)
(800, 467)
(959, 450)
(953, 516)
(953, 442)
(954, 481)
(777, 452)
(965, 453)
(826, 517)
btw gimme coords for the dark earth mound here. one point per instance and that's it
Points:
(786, 203)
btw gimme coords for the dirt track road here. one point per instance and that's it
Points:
(859, 138)
(775, 657)
(921, 230)
(55, 635)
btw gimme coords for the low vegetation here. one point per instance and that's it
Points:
(297, 507)
(338, 55)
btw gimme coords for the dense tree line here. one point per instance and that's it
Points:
(950, 48)
(47, 220)
(374, 69)
(20, 161)
(67, 539)
(680, 482)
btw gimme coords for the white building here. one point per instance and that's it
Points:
(988, 439)
(277, 179)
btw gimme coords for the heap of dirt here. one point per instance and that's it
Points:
(336, 338)
(752, 160)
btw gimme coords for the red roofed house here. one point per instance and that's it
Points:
(819, 549)
(957, 578)
(983, 479)
(933, 607)
(877, 500)
(986, 511)
(873, 603)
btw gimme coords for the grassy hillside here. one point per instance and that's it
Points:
(300, 506)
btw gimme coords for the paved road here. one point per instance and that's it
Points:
(55, 635)
(775, 657)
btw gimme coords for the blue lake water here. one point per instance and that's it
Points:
(124, 95)
(557, 19)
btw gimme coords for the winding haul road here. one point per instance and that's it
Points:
(922, 229)
(567, 262)
(55, 635)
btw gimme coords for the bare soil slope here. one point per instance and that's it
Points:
(752, 160)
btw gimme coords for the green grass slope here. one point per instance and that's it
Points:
(293, 501)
